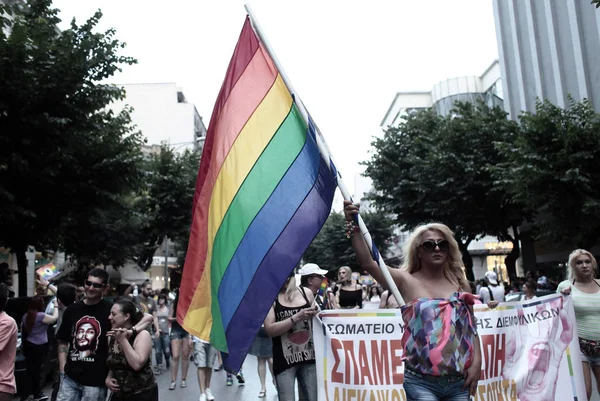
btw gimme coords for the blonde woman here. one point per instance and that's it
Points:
(584, 287)
(347, 294)
(433, 283)
(289, 324)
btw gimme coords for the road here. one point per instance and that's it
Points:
(247, 392)
(222, 392)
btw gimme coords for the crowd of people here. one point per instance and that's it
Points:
(105, 345)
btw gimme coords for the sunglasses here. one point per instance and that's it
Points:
(430, 245)
(95, 285)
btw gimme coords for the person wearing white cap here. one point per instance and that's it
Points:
(311, 277)
(493, 292)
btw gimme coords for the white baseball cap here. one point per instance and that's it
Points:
(491, 277)
(311, 268)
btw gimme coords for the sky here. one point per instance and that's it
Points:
(345, 59)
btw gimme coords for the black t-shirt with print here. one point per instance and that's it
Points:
(295, 346)
(84, 327)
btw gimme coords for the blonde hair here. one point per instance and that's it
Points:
(348, 273)
(289, 287)
(454, 268)
(571, 263)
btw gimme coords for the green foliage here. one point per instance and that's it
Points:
(436, 168)
(167, 200)
(596, 2)
(64, 156)
(553, 167)
(331, 249)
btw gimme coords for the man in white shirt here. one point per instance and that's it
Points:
(493, 292)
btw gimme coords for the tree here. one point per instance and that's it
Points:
(63, 154)
(596, 2)
(436, 168)
(104, 236)
(167, 200)
(331, 249)
(553, 167)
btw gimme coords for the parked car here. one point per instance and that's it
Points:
(16, 308)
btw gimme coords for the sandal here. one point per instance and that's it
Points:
(262, 394)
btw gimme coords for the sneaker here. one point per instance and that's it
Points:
(183, 384)
(209, 395)
(172, 386)
(229, 381)
(157, 369)
(202, 397)
(240, 378)
(219, 368)
(40, 397)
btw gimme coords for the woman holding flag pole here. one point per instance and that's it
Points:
(433, 282)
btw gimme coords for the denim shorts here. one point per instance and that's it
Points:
(431, 388)
(592, 360)
(179, 334)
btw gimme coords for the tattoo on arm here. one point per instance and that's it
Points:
(63, 349)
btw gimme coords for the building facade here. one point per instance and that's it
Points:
(163, 115)
(548, 50)
(487, 87)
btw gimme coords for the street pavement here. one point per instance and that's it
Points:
(247, 392)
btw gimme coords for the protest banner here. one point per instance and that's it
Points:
(359, 355)
(529, 349)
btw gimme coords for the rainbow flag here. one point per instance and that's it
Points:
(48, 271)
(263, 193)
(323, 292)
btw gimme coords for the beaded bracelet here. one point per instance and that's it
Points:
(350, 228)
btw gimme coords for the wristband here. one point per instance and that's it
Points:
(133, 330)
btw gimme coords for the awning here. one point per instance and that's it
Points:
(130, 273)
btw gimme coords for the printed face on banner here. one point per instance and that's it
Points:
(527, 348)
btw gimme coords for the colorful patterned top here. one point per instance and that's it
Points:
(439, 334)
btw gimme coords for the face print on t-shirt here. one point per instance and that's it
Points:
(297, 343)
(85, 339)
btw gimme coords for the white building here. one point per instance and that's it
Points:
(486, 87)
(162, 113)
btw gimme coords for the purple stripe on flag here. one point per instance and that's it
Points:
(271, 274)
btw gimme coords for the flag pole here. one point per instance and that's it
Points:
(327, 156)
